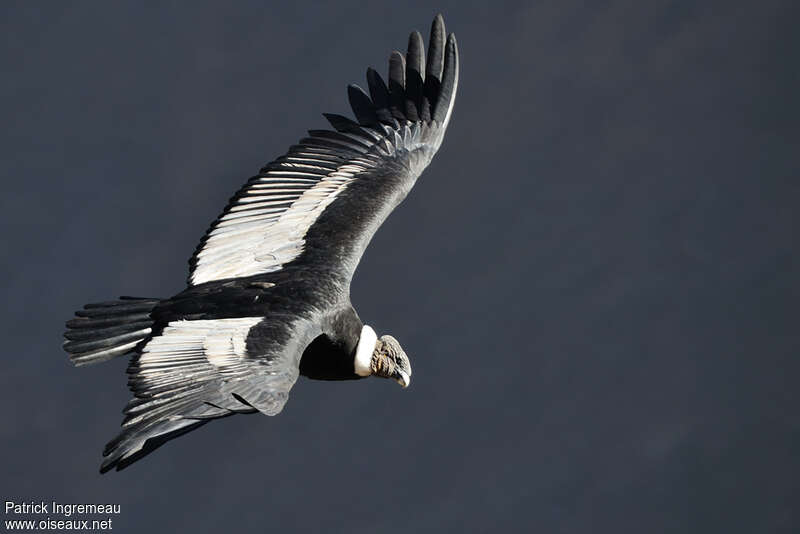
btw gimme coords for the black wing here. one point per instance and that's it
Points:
(335, 188)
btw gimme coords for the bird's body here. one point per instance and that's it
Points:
(268, 297)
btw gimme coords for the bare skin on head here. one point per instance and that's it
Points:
(389, 360)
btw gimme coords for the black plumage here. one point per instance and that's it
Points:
(397, 85)
(362, 106)
(415, 61)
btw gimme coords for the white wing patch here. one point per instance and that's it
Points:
(193, 345)
(267, 226)
(193, 368)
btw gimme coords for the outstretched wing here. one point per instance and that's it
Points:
(190, 372)
(321, 203)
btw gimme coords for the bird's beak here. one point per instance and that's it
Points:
(402, 378)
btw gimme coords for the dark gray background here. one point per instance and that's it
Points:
(596, 279)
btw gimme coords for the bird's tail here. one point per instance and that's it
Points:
(105, 330)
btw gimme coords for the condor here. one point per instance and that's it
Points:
(268, 296)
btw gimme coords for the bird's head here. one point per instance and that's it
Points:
(389, 360)
(382, 357)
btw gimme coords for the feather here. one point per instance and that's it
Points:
(397, 85)
(341, 123)
(415, 66)
(433, 68)
(380, 97)
(444, 103)
(362, 106)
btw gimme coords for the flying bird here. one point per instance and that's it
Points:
(268, 294)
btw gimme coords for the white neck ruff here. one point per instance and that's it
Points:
(364, 351)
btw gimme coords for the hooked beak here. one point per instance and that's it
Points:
(402, 378)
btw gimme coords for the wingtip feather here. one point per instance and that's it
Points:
(447, 93)
(362, 105)
(436, 44)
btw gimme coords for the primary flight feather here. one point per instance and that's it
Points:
(268, 296)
